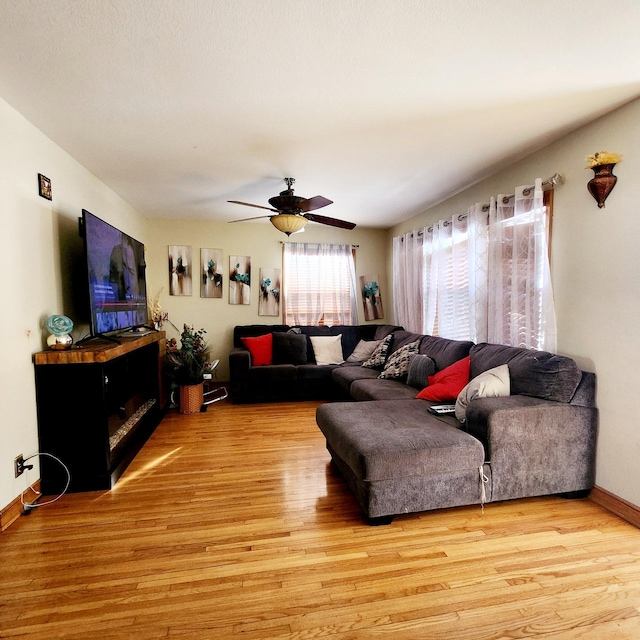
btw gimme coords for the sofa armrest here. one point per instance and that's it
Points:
(239, 364)
(535, 447)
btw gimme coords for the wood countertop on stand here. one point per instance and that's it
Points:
(97, 350)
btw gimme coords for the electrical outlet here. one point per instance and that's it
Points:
(18, 465)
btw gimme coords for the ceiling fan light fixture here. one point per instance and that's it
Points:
(288, 222)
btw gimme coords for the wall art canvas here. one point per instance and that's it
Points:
(269, 304)
(180, 270)
(211, 273)
(239, 280)
(371, 297)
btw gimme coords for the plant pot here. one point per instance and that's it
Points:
(602, 183)
(191, 397)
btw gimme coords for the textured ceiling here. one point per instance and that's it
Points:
(384, 106)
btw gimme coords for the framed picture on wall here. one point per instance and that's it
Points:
(269, 303)
(211, 273)
(371, 297)
(239, 280)
(44, 187)
(180, 270)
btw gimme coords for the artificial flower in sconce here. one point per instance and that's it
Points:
(602, 183)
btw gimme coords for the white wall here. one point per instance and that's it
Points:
(596, 276)
(41, 274)
(260, 241)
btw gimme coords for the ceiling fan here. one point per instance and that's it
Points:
(293, 212)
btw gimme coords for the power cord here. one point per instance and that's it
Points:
(28, 506)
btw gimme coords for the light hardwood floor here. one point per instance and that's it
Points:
(233, 524)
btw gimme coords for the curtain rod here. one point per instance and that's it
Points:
(353, 246)
(549, 183)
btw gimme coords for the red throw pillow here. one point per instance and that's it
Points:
(260, 348)
(446, 385)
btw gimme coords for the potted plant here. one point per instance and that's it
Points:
(188, 365)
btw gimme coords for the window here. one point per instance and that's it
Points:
(482, 278)
(319, 284)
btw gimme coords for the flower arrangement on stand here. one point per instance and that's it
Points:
(188, 365)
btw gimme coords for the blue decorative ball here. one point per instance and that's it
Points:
(59, 325)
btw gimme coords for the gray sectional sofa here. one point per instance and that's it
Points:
(397, 457)
(293, 373)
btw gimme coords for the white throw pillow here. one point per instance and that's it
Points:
(489, 384)
(327, 349)
(363, 350)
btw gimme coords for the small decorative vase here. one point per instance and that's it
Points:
(191, 397)
(602, 183)
(59, 342)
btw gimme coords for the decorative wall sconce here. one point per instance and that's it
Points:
(602, 183)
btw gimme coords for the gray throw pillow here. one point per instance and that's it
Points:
(364, 349)
(420, 368)
(289, 348)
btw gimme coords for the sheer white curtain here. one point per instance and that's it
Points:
(319, 284)
(478, 261)
(481, 277)
(456, 276)
(447, 278)
(408, 281)
(521, 309)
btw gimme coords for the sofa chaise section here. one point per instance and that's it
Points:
(397, 457)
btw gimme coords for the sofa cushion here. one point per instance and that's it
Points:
(351, 335)
(493, 383)
(387, 448)
(363, 350)
(273, 383)
(533, 373)
(327, 349)
(402, 338)
(444, 351)
(346, 374)
(364, 389)
(379, 355)
(383, 330)
(445, 385)
(254, 330)
(260, 348)
(289, 348)
(397, 364)
(420, 368)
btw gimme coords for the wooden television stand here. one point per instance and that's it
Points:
(97, 406)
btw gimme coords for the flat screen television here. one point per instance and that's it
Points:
(116, 277)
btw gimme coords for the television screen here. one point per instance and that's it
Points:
(116, 276)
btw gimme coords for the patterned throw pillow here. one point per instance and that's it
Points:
(379, 356)
(397, 366)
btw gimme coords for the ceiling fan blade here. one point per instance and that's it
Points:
(332, 222)
(311, 204)
(248, 204)
(256, 218)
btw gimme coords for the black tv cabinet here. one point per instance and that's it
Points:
(97, 406)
